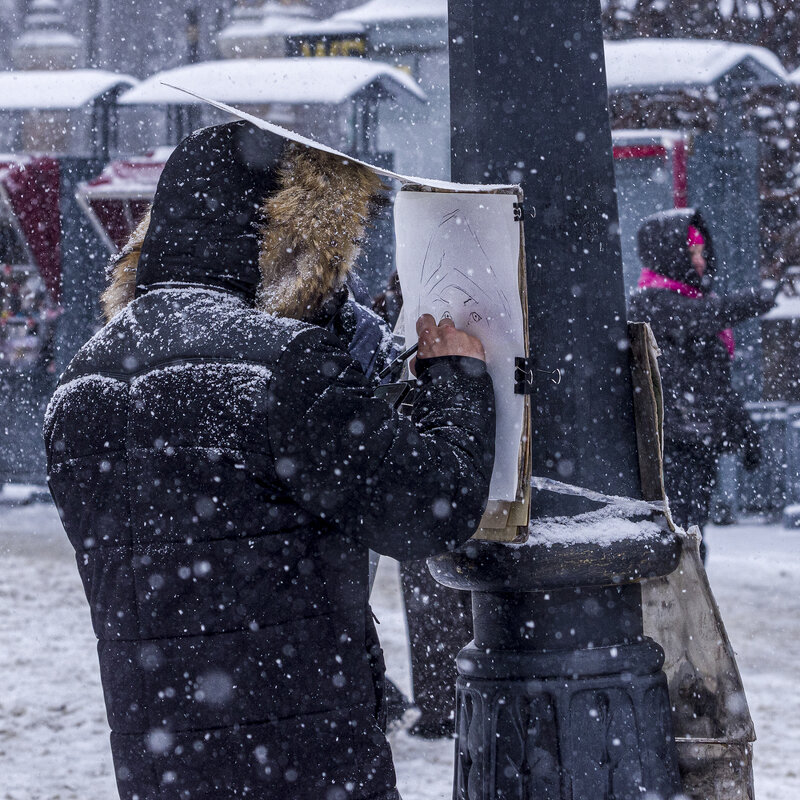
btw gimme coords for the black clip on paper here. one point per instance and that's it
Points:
(400, 395)
(523, 375)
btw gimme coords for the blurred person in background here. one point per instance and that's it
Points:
(703, 415)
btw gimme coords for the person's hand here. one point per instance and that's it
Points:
(444, 339)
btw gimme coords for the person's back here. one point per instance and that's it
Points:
(221, 473)
(206, 593)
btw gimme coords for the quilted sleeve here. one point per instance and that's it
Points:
(407, 488)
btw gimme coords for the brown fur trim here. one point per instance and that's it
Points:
(312, 231)
(122, 267)
(311, 236)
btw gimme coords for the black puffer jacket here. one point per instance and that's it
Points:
(221, 473)
(700, 405)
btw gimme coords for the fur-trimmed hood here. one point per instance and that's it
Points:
(284, 234)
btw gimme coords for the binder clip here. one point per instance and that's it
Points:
(523, 375)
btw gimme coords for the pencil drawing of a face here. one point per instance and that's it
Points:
(459, 282)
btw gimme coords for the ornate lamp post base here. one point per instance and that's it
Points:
(560, 696)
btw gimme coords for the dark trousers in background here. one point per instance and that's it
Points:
(439, 625)
(690, 473)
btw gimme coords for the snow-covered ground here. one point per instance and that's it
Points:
(53, 736)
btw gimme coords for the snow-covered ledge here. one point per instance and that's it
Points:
(595, 528)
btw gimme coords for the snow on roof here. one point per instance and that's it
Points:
(130, 177)
(8, 160)
(394, 11)
(663, 136)
(786, 307)
(295, 27)
(48, 38)
(56, 89)
(275, 20)
(668, 63)
(272, 80)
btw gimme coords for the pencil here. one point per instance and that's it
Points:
(402, 357)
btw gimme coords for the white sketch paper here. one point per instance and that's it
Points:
(458, 257)
(304, 140)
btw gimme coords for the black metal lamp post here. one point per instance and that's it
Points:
(559, 695)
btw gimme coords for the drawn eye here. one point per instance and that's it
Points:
(475, 316)
(447, 315)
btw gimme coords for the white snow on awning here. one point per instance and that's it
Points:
(674, 63)
(393, 11)
(663, 136)
(128, 178)
(56, 89)
(786, 307)
(285, 21)
(8, 160)
(295, 27)
(273, 80)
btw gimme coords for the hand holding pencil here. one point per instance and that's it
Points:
(444, 339)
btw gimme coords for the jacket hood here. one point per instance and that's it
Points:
(663, 249)
(238, 209)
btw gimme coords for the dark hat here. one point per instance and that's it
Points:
(206, 212)
(663, 246)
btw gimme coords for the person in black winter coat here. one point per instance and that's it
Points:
(703, 415)
(221, 468)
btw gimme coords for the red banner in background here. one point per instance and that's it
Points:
(32, 185)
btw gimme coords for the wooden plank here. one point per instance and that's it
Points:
(648, 409)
